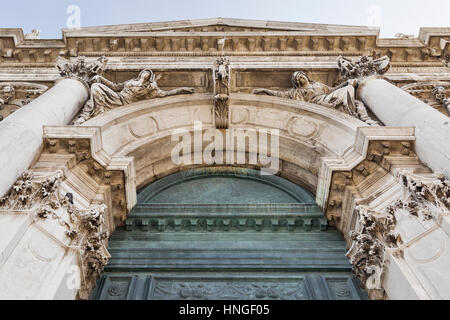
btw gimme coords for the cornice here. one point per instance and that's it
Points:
(86, 143)
(355, 156)
(200, 38)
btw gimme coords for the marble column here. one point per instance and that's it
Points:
(21, 133)
(397, 108)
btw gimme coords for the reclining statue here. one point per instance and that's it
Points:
(341, 98)
(107, 95)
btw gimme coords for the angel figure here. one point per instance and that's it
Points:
(107, 95)
(341, 98)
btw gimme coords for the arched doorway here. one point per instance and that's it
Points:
(226, 233)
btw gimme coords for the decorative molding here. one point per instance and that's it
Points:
(85, 144)
(373, 145)
(433, 93)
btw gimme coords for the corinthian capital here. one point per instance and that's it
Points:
(364, 66)
(79, 69)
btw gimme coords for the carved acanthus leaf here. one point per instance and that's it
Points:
(373, 233)
(80, 69)
(427, 197)
(41, 196)
(364, 66)
(30, 193)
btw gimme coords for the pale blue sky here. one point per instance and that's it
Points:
(49, 16)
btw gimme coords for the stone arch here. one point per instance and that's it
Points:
(308, 132)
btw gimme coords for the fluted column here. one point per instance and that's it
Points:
(397, 108)
(21, 134)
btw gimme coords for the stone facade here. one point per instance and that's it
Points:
(87, 120)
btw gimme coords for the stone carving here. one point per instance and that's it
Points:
(7, 93)
(365, 66)
(88, 226)
(432, 93)
(233, 290)
(221, 110)
(222, 92)
(441, 96)
(373, 233)
(80, 69)
(341, 98)
(15, 95)
(404, 36)
(29, 193)
(222, 71)
(34, 35)
(107, 95)
(42, 196)
(427, 197)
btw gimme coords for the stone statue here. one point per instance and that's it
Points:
(107, 95)
(341, 98)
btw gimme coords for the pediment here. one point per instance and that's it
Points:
(219, 25)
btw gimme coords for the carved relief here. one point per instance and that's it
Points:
(107, 95)
(341, 98)
(221, 92)
(80, 69)
(441, 96)
(15, 95)
(42, 196)
(28, 192)
(365, 66)
(427, 197)
(433, 93)
(245, 290)
(373, 233)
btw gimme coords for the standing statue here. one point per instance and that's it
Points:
(107, 95)
(341, 98)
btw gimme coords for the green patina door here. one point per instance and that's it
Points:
(226, 234)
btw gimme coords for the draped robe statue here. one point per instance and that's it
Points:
(107, 95)
(341, 98)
